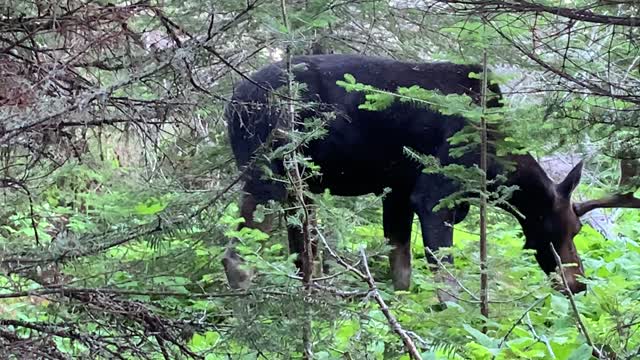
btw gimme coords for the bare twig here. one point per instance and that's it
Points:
(521, 6)
(458, 282)
(339, 259)
(373, 290)
(533, 305)
(581, 327)
(395, 325)
(62, 290)
(543, 339)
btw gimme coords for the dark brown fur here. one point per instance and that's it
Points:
(363, 152)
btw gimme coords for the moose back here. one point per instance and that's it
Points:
(363, 152)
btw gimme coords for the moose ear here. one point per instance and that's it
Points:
(566, 187)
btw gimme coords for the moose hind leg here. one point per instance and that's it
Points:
(397, 218)
(248, 207)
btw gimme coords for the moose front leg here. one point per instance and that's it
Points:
(436, 226)
(437, 232)
(397, 217)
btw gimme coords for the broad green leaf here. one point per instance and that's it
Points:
(150, 207)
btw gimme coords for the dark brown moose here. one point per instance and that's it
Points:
(362, 153)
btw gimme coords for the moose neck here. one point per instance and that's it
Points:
(532, 182)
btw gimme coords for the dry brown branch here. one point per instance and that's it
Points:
(517, 6)
(367, 277)
(581, 326)
(395, 325)
(585, 84)
(64, 290)
(450, 274)
(533, 305)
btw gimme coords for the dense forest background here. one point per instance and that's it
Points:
(119, 190)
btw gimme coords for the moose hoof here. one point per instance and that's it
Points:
(401, 279)
(576, 287)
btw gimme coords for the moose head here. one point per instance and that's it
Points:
(550, 220)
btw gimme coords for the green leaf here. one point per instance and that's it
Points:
(208, 341)
(482, 339)
(150, 207)
(559, 305)
(583, 352)
(350, 79)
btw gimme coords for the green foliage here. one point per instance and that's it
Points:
(450, 104)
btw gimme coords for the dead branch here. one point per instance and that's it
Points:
(533, 305)
(521, 6)
(395, 325)
(373, 290)
(581, 326)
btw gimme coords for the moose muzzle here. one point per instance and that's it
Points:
(571, 269)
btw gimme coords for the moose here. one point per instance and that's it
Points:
(362, 152)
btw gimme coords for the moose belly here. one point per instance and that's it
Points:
(356, 159)
(346, 178)
(347, 183)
